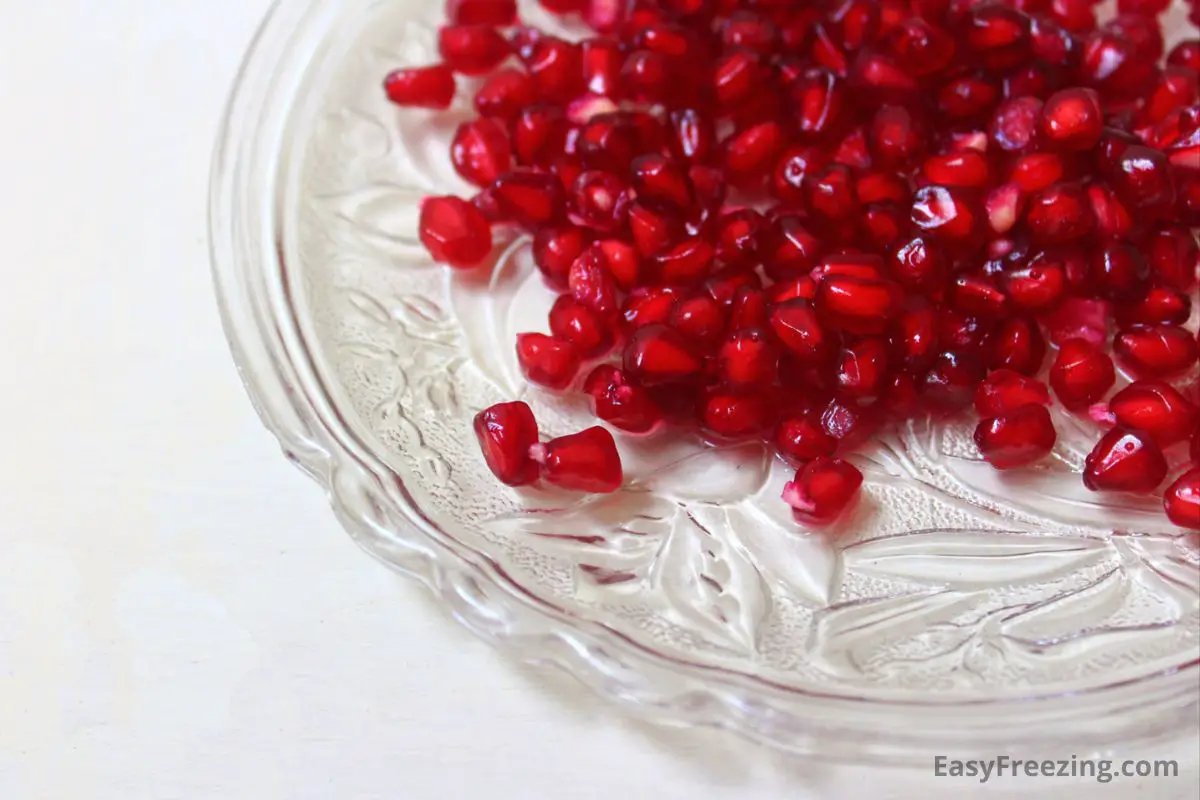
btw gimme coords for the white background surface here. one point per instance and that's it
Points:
(180, 616)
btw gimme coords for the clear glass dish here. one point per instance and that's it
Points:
(966, 611)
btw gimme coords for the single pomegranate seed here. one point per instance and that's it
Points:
(830, 193)
(590, 282)
(1113, 220)
(619, 402)
(1125, 460)
(1015, 344)
(1072, 119)
(919, 265)
(538, 135)
(1174, 258)
(967, 170)
(657, 179)
(950, 382)
(788, 248)
(1185, 53)
(896, 137)
(421, 87)
(546, 360)
(1016, 438)
(1156, 408)
(915, 338)
(1038, 287)
(921, 47)
(734, 416)
(978, 296)
(472, 49)
(822, 490)
(454, 231)
(748, 358)
(751, 153)
(862, 369)
(701, 320)
(589, 334)
(1004, 391)
(1142, 179)
(1059, 214)
(1014, 126)
(480, 151)
(968, 98)
(1119, 271)
(587, 461)
(724, 285)
(556, 67)
(555, 250)
(1182, 500)
(858, 305)
(599, 201)
(1081, 374)
(796, 325)
(802, 438)
(530, 198)
(1156, 350)
(849, 423)
(505, 94)
(1160, 305)
(602, 60)
(687, 263)
(1036, 171)
(505, 432)
(656, 354)
(749, 309)
(482, 12)
(791, 170)
(692, 139)
(945, 212)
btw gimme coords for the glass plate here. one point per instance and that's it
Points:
(965, 610)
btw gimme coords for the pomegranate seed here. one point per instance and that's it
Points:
(701, 320)
(1072, 119)
(421, 87)
(751, 153)
(747, 358)
(978, 297)
(480, 151)
(1081, 374)
(1124, 460)
(944, 212)
(1185, 54)
(454, 231)
(733, 416)
(1059, 214)
(725, 284)
(1119, 271)
(1016, 344)
(1174, 258)
(620, 403)
(1159, 305)
(530, 198)
(950, 382)
(802, 438)
(858, 305)
(590, 282)
(555, 250)
(505, 432)
(967, 170)
(918, 265)
(1005, 390)
(692, 139)
(1113, 220)
(571, 321)
(822, 490)
(849, 423)
(896, 137)
(915, 338)
(1156, 350)
(862, 369)
(472, 49)
(1014, 126)
(602, 60)
(921, 48)
(968, 97)
(556, 67)
(1038, 287)
(749, 309)
(687, 263)
(1036, 171)
(599, 201)
(482, 12)
(657, 179)
(1016, 438)
(796, 325)
(1142, 179)
(505, 94)
(587, 461)
(546, 360)
(1181, 501)
(538, 135)
(1156, 408)
(656, 355)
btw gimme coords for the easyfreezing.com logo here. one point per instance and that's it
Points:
(1103, 770)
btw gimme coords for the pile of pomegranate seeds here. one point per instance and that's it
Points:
(799, 221)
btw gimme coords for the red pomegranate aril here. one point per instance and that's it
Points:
(701, 320)
(649, 77)
(482, 12)
(797, 327)
(1181, 501)
(1119, 271)
(505, 432)
(1081, 375)
(919, 265)
(619, 402)
(555, 250)
(1125, 460)
(883, 225)
(556, 67)
(945, 213)
(1014, 126)
(472, 49)
(822, 490)
(734, 416)
(725, 284)
(801, 287)
(658, 355)
(1156, 351)
(587, 461)
(1036, 171)
(792, 169)
(800, 439)
(480, 151)
(861, 372)
(921, 47)
(1142, 179)
(530, 198)
(915, 338)
(1017, 344)
(648, 306)
(788, 247)
(1113, 220)
(599, 201)
(858, 305)
(896, 137)
(747, 359)
(1059, 214)
(1016, 438)
(1072, 119)
(749, 309)
(687, 263)
(1186, 54)
(1174, 258)
(968, 97)
(538, 135)
(736, 77)
(547, 360)
(1176, 88)
(602, 60)
(1005, 390)
(657, 179)
(738, 236)
(575, 323)
(454, 231)
(421, 87)
(850, 423)
(950, 382)
(1157, 408)
(505, 94)
(820, 102)
(653, 231)
(978, 297)
(691, 136)
(1038, 287)
(751, 153)
(1159, 305)
(967, 170)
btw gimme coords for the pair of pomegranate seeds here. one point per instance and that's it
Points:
(799, 221)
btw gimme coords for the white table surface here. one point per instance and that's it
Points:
(180, 615)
